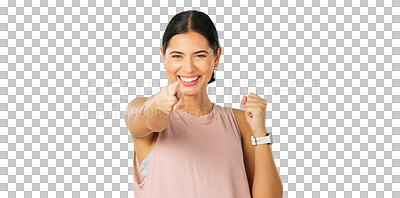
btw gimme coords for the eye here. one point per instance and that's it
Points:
(201, 56)
(176, 56)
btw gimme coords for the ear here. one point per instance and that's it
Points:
(219, 51)
(162, 54)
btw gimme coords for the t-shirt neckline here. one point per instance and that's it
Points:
(191, 116)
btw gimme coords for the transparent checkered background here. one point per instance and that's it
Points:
(329, 71)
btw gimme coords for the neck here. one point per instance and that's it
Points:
(198, 104)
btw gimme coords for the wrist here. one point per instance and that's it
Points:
(260, 133)
(260, 138)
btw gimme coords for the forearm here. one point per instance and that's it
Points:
(155, 118)
(266, 181)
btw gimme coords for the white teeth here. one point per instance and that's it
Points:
(189, 79)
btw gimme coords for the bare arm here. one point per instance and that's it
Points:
(266, 181)
(143, 118)
(156, 119)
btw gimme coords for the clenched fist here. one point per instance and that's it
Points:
(255, 109)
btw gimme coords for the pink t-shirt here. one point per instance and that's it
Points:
(196, 157)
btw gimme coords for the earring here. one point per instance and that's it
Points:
(165, 67)
(215, 68)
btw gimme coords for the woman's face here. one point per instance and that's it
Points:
(189, 55)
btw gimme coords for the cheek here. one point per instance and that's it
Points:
(206, 66)
(172, 68)
(174, 64)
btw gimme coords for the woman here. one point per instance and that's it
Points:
(184, 144)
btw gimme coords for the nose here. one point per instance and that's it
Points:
(188, 65)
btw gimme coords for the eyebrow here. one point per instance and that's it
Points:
(200, 51)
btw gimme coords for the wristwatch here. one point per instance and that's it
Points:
(262, 140)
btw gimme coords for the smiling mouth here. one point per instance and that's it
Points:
(189, 78)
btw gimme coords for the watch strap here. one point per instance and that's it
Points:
(262, 140)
